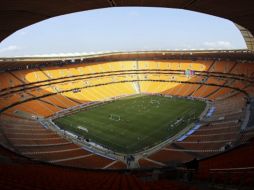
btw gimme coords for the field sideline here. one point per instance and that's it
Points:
(130, 124)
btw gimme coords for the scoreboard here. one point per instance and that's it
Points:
(189, 72)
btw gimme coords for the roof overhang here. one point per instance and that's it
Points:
(192, 55)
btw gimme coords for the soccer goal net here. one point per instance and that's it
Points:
(155, 102)
(114, 117)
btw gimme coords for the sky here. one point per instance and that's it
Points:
(123, 29)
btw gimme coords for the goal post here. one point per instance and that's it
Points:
(155, 102)
(114, 117)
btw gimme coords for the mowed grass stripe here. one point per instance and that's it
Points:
(142, 123)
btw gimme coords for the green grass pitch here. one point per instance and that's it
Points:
(144, 121)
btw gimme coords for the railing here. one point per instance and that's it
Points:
(235, 178)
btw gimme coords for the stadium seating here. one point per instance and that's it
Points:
(32, 140)
(230, 169)
(32, 94)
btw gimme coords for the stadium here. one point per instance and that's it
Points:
(158, 119)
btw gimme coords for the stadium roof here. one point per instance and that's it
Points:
(29, 62)
(17, 14)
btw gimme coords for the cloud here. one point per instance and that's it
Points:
(9, 48)
(218, 45)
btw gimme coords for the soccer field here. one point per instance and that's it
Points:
(130, 124)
